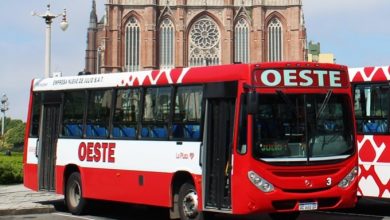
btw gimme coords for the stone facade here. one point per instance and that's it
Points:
(107, 38)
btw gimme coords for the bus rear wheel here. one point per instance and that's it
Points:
(74, 195)
(188, 203)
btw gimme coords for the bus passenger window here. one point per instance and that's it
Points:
(73, 112)
(243, 125)
(148, 110)
(371, 108)
(156, 113)
(126, 113)
(187, 113)
(98, 113)
(36, 115)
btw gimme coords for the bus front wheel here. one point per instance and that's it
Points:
(188, 203)
(74, 194)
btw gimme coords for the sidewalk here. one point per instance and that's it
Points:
(19, 200)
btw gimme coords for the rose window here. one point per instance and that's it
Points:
(204, 45)
(204, 34)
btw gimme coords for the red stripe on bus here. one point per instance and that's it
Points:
(30, 176)
(140, 187)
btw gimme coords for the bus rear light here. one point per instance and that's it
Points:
(349, 178)
(260, 182)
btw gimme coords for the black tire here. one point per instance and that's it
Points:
(74, 199)
(284, 215)
(188, 203)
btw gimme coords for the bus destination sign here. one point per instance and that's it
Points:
(300, 78)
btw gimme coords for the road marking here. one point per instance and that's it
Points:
(72, 216)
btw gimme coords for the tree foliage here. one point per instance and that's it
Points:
(11, 168)
(14, 133)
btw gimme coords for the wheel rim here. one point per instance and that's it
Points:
(75, 194)
(190, 204)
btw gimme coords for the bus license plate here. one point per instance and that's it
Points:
(308, 206)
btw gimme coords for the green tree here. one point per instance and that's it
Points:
(7, 123)
(14, 136)
(12, 123)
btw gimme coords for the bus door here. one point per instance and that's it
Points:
(49, 131)
(219, 120)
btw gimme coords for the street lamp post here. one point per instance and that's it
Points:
(4, 107)
(48, 17)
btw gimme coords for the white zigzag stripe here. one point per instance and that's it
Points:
(354, 71)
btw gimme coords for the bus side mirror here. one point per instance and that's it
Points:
(252, 101)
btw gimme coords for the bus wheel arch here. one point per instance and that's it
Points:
(189, 207)
(69, 169)
(186, 201)
(73, 192)
(178, 179)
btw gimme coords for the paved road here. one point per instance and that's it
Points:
(16, 199)
(366, 210)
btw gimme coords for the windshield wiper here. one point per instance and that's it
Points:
(324, 103)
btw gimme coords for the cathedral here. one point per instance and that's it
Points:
(156, 34)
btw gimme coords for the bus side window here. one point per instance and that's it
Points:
(187, 113)
(243, 125)
(156, 109)
(73, 113)
(98, 113)
(36, 115)
(126, 113)
(372, 108)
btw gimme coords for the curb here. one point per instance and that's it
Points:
(28, 211)
(18, 200)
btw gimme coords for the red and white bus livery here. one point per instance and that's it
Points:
(371, 90)
(238, 139)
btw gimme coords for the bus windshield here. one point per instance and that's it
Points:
(302, 128)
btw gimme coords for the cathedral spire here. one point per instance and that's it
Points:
(93, 16)
(91, 52)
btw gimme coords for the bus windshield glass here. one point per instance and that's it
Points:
(302, 127)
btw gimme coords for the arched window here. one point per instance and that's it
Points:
(241, 41)
(204, 43)
(132, 45)
(167, 39)
(275, 40)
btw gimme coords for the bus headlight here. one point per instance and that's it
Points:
(260, 182)
(348, 179)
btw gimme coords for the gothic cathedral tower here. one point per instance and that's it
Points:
(90, 58)
(153, 34)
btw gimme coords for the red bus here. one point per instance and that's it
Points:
(236, 139)
(371, 90)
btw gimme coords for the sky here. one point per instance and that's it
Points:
(357, 32)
